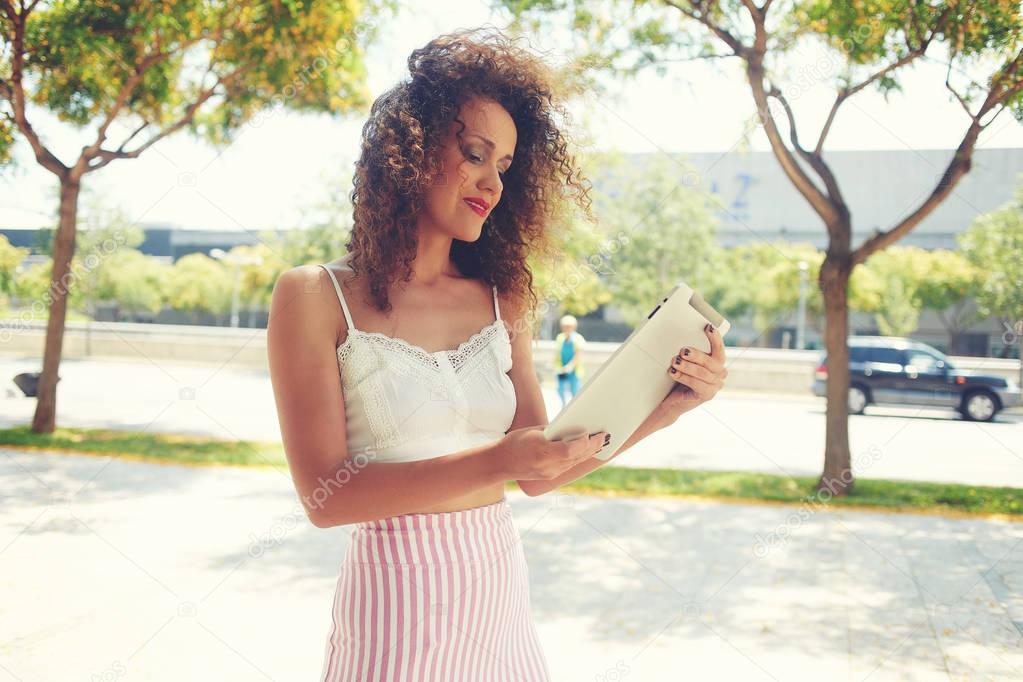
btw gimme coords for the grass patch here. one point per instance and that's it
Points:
(159, 447)
(743, 485)
(883, 495)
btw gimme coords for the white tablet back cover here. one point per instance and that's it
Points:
(632, 382)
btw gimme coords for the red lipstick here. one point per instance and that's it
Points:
(478, 205)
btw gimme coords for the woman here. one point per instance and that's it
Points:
(404, 409)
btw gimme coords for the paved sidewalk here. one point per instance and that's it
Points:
(111, 569)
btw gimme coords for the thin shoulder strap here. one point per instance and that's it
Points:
(340, 297)
(497, 310)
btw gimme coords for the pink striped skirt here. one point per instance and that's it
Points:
(435, 597)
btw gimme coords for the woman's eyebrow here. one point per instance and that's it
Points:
(490, 144)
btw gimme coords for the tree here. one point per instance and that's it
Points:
(900, 271)
(133, 280)
(30, 283)
(150, 69)
(667, 232)
(10, 259)
(776, 293)
(768, 289)
(257, 276)
(198, 283)
(573, 284)
(103, 231)
(994, 243)
(948, 287)
(736, 297)
(868, 44)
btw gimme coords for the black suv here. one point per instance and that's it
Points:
(900, 371)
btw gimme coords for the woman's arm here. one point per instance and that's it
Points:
(380, 490)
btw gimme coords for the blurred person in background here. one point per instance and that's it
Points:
(568, 364)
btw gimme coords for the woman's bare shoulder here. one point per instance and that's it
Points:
(311, 274)
(300, 292)
(343, 272)
(513, 312)
(304, 301)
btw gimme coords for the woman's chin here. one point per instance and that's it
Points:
(470, 234)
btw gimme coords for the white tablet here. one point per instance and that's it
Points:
(625, 389)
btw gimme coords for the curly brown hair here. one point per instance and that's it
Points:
(401, 145)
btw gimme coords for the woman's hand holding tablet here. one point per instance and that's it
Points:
(671, 363)
(698, 377)
(527, 454)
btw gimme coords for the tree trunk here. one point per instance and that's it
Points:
(1015, 335)
(63, 249)
(837, 477)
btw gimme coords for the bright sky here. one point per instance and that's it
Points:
(276, 170)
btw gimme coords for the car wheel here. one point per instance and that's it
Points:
(857, 400)
(980, 406)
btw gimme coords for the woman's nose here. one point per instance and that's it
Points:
(492, 181)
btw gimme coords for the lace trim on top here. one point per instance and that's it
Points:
(359, 365)
(369, 370)
(456, 357)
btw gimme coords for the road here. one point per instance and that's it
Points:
(773, 433)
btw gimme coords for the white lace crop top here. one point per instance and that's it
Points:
(404, 403)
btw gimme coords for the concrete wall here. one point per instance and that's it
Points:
(753, 369)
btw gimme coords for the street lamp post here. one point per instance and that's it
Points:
(801, 312)
(237, 260)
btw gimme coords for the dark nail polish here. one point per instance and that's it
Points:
(607, 439)
(685, 352)
(672, 370)
(678, 358)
